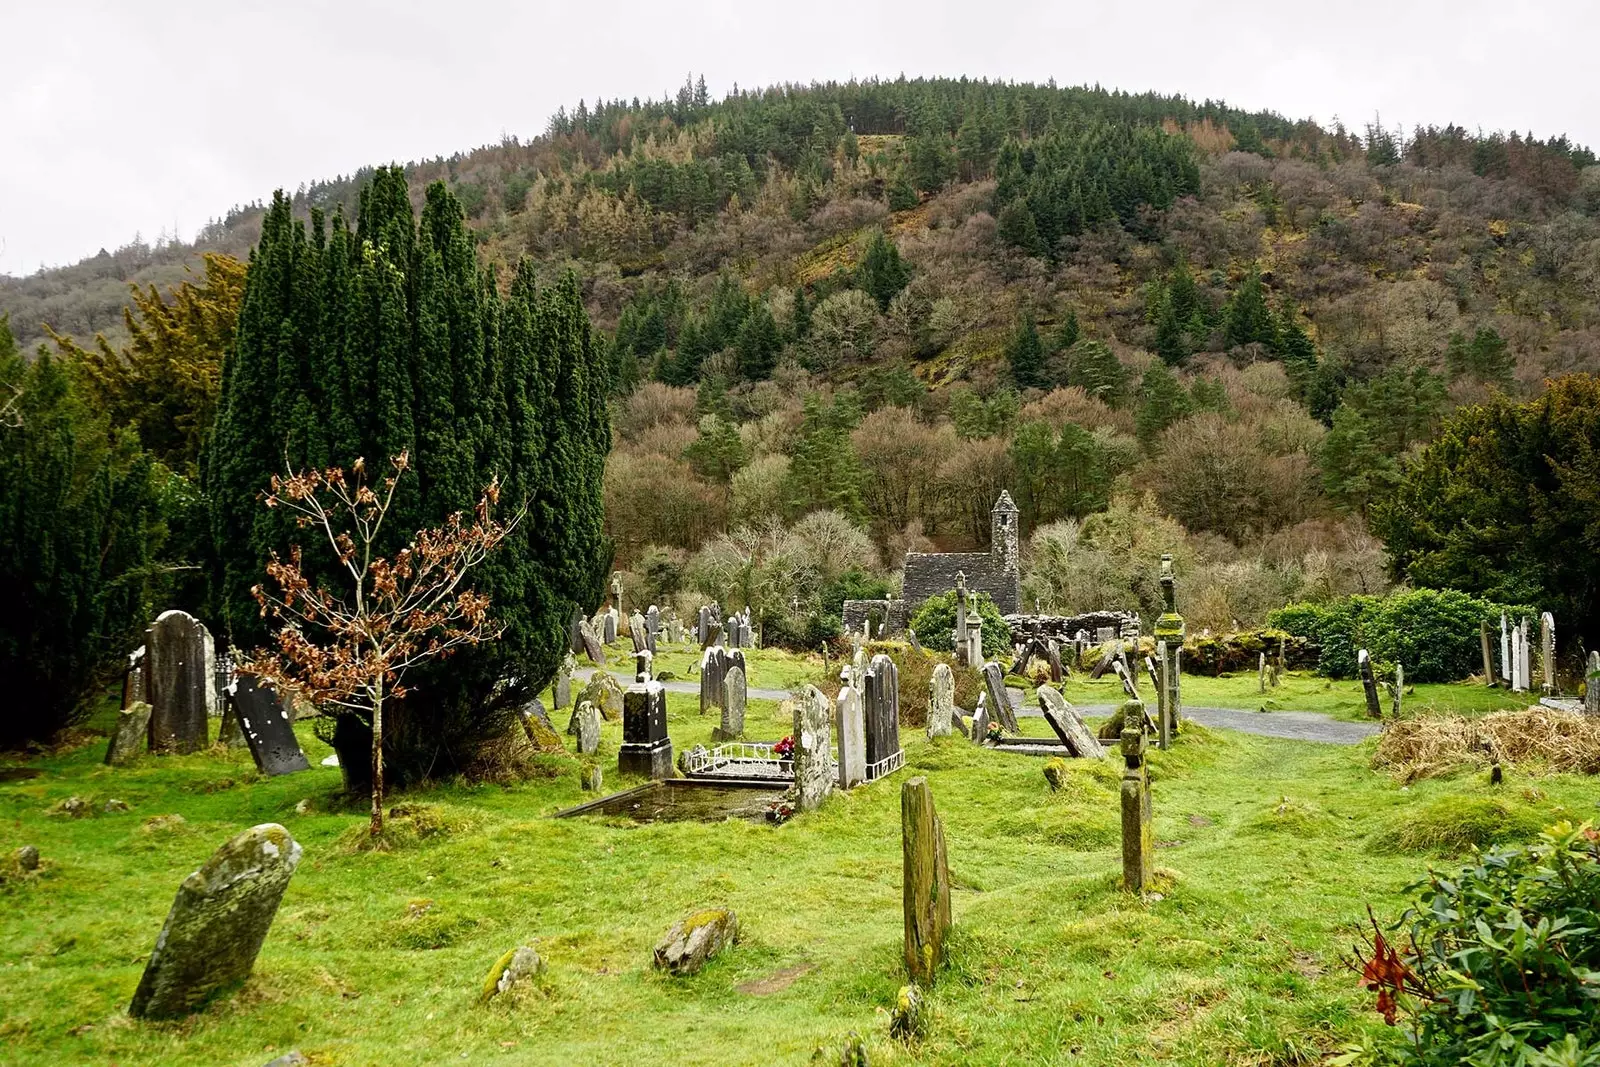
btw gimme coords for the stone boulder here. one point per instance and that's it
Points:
(217, 923)
(694, 939)
(519, 964)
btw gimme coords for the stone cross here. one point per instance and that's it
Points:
(852, 738)
(941, 700)
(925, 882)
(1369, 684)
(217, 923)
(1138, 842)
(814, 772)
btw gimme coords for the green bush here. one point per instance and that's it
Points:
(935, 623)
(1214, 654)
(1453, 825)
(1503, 964)
(1432, 632)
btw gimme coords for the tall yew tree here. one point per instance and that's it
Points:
(391, 337)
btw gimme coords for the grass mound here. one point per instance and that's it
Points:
(1452, 825)
(1554, 741)
(407, 826)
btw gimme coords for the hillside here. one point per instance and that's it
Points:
(1189, 324)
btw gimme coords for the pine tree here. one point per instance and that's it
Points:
(1025, 354)
(1033, 459)
(1485, 358)
(1083, 472)
(1017, 227)
(717, 453)
(1354, 469)
(1094, 368)
(882, 273)
(1068, 332)
(800, 323)
(823, 469)
(758, 343)
(1162, 402)
(1171, 342)
(1249, 320)
(901, 194)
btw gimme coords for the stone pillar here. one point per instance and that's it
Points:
(1138, 842)
(1169, 629)
(941, 700)
(1261, 674)
(974, 641)
(1399, 687)
(925, 882)
(1547, 651)
(1519, 678)
(616, 593)
(179, 683)
(646, 750)
(1591, 685)
(960, 636)
(1369, 684)
(1488, 659)
(852, 738)
(1163, 696)
(814, 772)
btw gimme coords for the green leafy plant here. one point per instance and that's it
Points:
(1502, 963)
(935, 623)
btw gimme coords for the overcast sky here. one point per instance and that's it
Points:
(117, 118)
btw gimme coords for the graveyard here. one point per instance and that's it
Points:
(1257, 859)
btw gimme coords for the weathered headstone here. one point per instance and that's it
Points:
(637, 632)
(1169, 634)
(713, 668)
(1591, 684)
(1053, 651)
(593, 647)
(230, 733)
(605, 693)
(646, 749)
(674, 629)
(135, 679)
(652, 627)
(1262, 674)
(1526, 665)
(616, 593)
(587, 722)
(959, 637)
(1547, 651)
(1138, 842)
(916, 646)
(179, 682)
(540, 731)
(217, 923)
(974, 641)
(1399, 687)
(1488, 660)
(941, 700)
(733, 704)
(1130, 688)
(1519, 678)
(561, 688)
(814, 772)
(999, 703)
(575, 632)
(925, 882)
(268, 727)
(133, 725)
(1112, 653)
(1063, 719)
(610, 621)
(980, 721)
(852, 729)
(1505, 649)
(1369, 684)
(881, 710)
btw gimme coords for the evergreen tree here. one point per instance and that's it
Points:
(901, 194)
(1068, 332)
(1249, 320)
(79, 504)
(1094, 368)
(1083, 472)
(1485, 358)
(394, 339)
(1401, 408)
(800, 324)
(1033, 460)
(1172, 344)
(882, 273)
(1162, 402)
(717, 453)
(824, 472)
(1354, 469)
(1025, 354)
(930, 162)
(758, 343)
(1018, 228)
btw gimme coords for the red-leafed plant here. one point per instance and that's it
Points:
(352, 648)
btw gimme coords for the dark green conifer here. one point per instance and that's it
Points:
(1025, 354)
(882, 273)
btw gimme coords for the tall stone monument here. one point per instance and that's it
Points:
(646, 750)
(1138, 841)
(1169, 653)
(925, 882)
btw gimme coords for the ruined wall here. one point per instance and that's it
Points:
(892, 613)
(929, 574)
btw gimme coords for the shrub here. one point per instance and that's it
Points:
(935, 623)
(916, 683)
(1221, 653)
(1502, 961)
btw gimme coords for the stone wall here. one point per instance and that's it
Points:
(929, 574)
(1063, 627)
(892, 614)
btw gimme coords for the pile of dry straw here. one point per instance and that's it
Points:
(1537, 739)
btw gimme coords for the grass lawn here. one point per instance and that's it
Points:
(1271, 851)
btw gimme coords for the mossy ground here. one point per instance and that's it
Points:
(1271, 851)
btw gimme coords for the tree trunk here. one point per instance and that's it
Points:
(377, 766)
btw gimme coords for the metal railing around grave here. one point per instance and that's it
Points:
(738, 759)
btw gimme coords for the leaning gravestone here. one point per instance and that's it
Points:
(586, 721)
(637, 632)
(852, 738)
(1053, 651)
(999, 703)
(1369, 684)
(925, 882)
(652, 627)
(592, 645)
(263, 715)
(179, 682)
(1591, 691)
(941, 700)
(217, 923)
(1078, 738)
(814, 772)
(605, 693)
(733, 703)
(980, 721)
(133, 725)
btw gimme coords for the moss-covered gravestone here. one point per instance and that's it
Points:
(814, 771)
(734, 693)
(1138, 841)
(694, 939)
(1000, 709)
(133, 724)
(926, 881)
(217, 923)
(1063, 719)
(587, 722)
(1369, 684)
(941, 700)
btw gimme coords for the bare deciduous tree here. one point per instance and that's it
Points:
(352, 648)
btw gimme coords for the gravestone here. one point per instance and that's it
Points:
(1488, 659)
(1519, 675)
(941, 700)
(1369, 684)
(1152, 673)
(575, 632)
(980, 721)
(616, 593)
(733, 703)
(179, 682)
(135, 680)
(637, 632)
(230, 733)
(1063, 719)
(1112, 653)
(652, 627)
(713, 669)
(1138, 842)
(217, 923)
(881, 710)
(1547, 651)
(133, 726)
(592, 645)
(1591, 683)
(587, 722)
(1505, 650)
(268, 727)
(916, 646)
(1053, 651)
(605, 693)
(561, 688)
(1399, 687)
(925, 882)
(959, 637)
(852, 729)
(674, 629)
(1125, 676)
(974, 641)
(1526, 665)
(814, 772)
(609, 621)
(1166, 721)
(999, 703)
(1261, 674)
(646, 749)
(1169, 633)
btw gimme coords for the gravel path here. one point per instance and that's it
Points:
(1292, 725)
